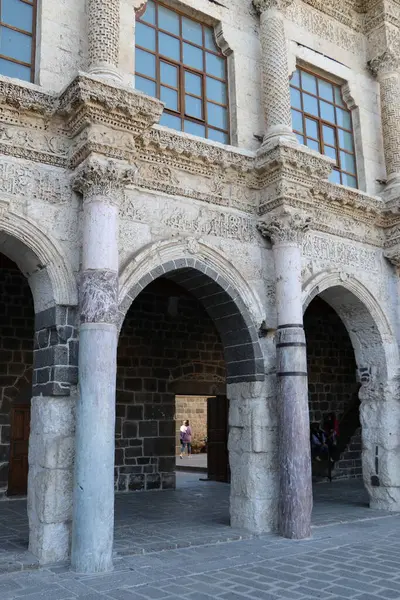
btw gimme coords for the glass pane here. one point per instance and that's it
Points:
(193, 83)
(327, 111)
(295, 98)
(331, 152)
(329, 135)
(168, 20)
(343, 118)
(218, 136)
(334, 177)
(349, 180)
(146, 86)
(150, 13)
(215, 65)
(217, 116)
(145, 36)
(216, 90)
(345, 140)
(347, 162)
(313, 145)
(325, 90)
(171, 121)
(192, 56)
(145, 63)
(338, 96)
(192, 31)
(300, 138)
(308, 82)
(18, 14)
(193, 107)
(169, 46)
(10, 69)
(295, 79)
(194, 128)
(168, 74)
(297, 120)
(312, 128)
(209, 39)
(310, 105)
(170, 97)
(15, 45)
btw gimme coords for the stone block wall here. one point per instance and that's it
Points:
(166, 334)
(332, 384)
(17, 319)
(350, 465)
(193, 408)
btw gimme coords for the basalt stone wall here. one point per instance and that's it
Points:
(332, 384)
(17, 319)
(166, 334)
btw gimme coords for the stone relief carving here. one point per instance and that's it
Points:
(263, 5)
(33, 145)
(329, 250)
(18, 179)
(289, 228)
(96, 176)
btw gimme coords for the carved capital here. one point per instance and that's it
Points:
(285, 228)
(105, 178)
(393, 256)
(386, 62)
(263, 5)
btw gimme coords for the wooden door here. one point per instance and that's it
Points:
(19, 440)
(217, 444)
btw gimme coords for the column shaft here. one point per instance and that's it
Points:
(390, 115)
(103, 37)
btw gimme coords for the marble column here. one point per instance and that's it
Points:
(101, 183)
(275, 71)
(295, 496)
(386, 69)
(103, 38)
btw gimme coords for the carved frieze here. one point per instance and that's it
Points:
(29, 181)
(31, 144)
(330, 251)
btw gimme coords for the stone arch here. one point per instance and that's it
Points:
(40, 258)
(227, 298)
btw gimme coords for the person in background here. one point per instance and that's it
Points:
(319, 447)
(186, 438)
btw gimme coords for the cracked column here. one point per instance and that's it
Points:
(103, 38)
(275, 71)
(101, 183)
(295, 495)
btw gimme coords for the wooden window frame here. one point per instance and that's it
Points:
(30, 65)
(182, 68)
(321, 122)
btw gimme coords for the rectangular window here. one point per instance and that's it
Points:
(322, 121)
(17, 38)
(178, 61)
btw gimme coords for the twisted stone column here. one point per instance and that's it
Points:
(101, 183)
(275, 70)
(386, 69)
(295, 498)
(103, 38)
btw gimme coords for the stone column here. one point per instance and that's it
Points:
(101, 184)
(51, 440)
(275, 71)
(295, 500)
(386, 69)
(103, 38)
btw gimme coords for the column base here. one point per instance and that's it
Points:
(277, 135)
(385, 498)
(105, 71)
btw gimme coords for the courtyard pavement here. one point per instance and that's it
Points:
(354, 552)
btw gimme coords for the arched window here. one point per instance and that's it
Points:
(178, 61)
(17, 38)
(322, 121)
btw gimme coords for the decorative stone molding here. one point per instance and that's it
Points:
(103, 36)
(285, 228)
(263, 5)
(26, 98)
(385, 63)
(96, 177)
(393, 256)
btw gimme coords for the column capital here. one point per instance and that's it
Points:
(385, 63)
(107, 178)
(285, 228)
(393, 256)
(263, 5)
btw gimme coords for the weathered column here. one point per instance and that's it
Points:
(386, 69)
(103, 38)
(275, 70)
(286, 233)
(51, 440)
(101, 184)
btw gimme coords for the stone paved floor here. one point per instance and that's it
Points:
(196, 461)
(354, 552)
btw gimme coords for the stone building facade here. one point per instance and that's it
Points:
(101, 195)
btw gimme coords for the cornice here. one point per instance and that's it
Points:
(27, 98)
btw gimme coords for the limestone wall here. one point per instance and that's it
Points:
(193, 408)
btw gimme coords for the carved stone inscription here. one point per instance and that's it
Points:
(333, 251)
(18, 179)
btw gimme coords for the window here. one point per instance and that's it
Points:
(17, 38)
(322, 121)
(178, 61)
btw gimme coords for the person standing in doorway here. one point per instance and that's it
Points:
(186, 438)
